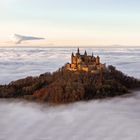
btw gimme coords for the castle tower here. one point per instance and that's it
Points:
(92, 55)
(72, 55)
(78, 52)
(85, 53)
(97, 60)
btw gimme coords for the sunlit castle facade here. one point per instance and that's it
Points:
(88, 63)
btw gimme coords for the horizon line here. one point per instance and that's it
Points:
(71, 46)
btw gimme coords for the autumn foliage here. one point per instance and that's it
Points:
(65, 86)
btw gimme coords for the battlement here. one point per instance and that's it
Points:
(84, 62)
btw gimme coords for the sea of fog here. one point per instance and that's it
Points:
(19, 62)
(110, 119)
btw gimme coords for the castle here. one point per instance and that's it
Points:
(87, 63)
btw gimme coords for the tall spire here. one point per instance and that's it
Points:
(72, 54)
(92, 54)
(78, 51)
(85, 53)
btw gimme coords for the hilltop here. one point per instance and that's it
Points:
(81, 80)
(65, 86)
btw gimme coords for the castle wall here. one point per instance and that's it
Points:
(74, 60)
(84, 63)
(68, 66)
(97, 60)
(73, 66)
(85, 69)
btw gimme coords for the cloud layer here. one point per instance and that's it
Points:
(109, 119)
(20, 62)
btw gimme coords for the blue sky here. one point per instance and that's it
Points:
(72, 22)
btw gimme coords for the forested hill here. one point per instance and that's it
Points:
(65, 86)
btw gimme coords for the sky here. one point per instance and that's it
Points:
(71, 22)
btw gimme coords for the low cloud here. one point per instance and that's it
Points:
(18, 39)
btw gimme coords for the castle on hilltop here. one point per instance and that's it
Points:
(87, 63)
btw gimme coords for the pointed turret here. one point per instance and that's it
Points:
(92, 55)
(72, 54)
(85, 53)
(97, 60)
(78, 51)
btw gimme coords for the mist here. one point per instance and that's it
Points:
(109, 119)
